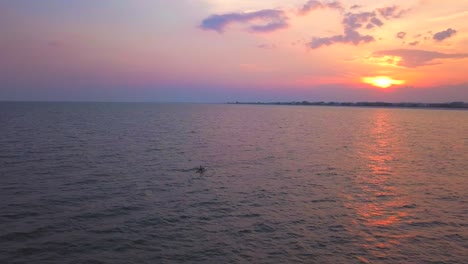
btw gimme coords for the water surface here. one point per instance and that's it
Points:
(115, 183)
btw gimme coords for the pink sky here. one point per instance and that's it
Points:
(227, 50)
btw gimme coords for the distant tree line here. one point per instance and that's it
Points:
(369, 104)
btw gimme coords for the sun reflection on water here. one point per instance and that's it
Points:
(378, 203)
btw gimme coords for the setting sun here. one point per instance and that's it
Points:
(382, 81)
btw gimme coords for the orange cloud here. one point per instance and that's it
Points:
(411, 58)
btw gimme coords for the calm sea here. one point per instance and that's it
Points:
(117, 183)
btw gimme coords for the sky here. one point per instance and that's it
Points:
(234, 50)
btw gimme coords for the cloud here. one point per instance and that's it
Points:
(269, 20)
(414, 43)
(314, 5)
(350, 37)
(352, 22)
(439, 36)
(411, 58)
(376, 21)
(401, 35)
(392, 12)
(356, 20)
(355, 7)
(273, 20)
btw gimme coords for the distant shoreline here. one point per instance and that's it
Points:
(449, 105)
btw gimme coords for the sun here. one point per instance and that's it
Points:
(382, 81)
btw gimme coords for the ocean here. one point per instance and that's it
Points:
(118, 183)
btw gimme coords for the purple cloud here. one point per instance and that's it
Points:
(439, 36)
(376, 21)
(411, 58)
(354, 21)
(314, 5)
(401, 35)
(350, 37)
(391, 12)
(273, 20)
(351, 23)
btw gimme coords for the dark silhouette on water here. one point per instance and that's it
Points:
(201, 169)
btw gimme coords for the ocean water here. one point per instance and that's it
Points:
(117, 183)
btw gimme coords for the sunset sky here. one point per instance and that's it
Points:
(228, 50)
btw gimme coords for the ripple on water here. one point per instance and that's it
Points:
(117, 183)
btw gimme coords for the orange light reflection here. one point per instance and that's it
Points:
(379, 202)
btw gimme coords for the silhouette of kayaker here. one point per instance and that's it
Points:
(201, 169)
